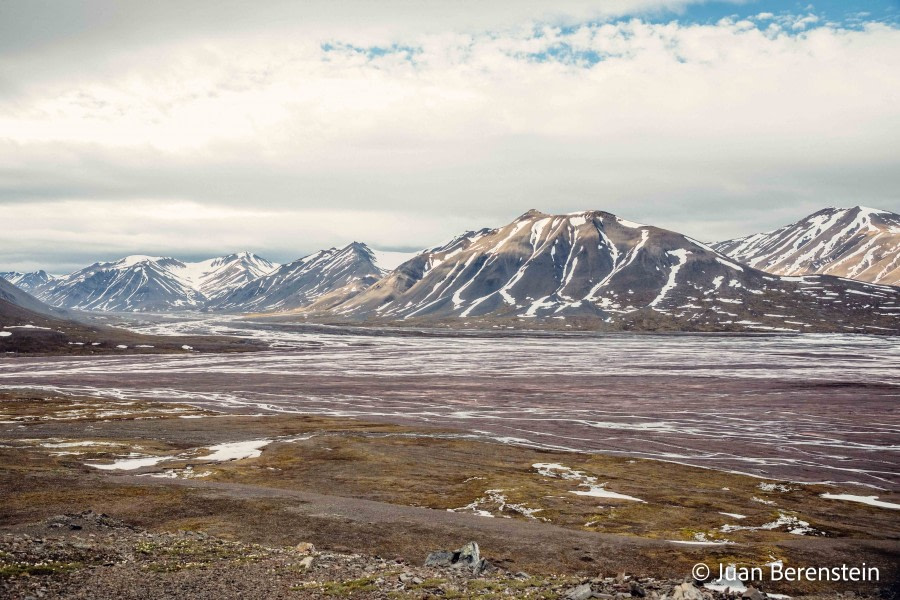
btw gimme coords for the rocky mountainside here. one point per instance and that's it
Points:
(146, 283)
(27, 281)
(19, 307)
(617, 274)
(332, 275)
(217, 277)
(858, 243)
(589, 270)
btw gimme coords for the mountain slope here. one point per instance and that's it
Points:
(133, 283)
(857, 243)
(217, 277)
(28, 326)
(30, 282)
(337, 272)
(16, 301)
(597, 267)
(146, 283)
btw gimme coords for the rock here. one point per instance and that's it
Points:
(751, 593)
(467, 557)
(305, 548)
(441, 558)
(482, 566)
(686, 591)
(306, 563)
(581, 592)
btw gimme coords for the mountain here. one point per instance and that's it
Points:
(14, 300)
(28, 326)
(147, 283)
(595, 269)
(336, 273)
(133, 283)
(217, 277)
(29, 282)
(857, 243)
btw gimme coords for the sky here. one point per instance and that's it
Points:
(203, 128)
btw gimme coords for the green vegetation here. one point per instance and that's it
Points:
(19, 569)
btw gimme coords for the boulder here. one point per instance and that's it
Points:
(467, 557)
(441, 558)
(580, 592)
(686, 591)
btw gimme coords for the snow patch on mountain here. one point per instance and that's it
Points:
(30, 282)
(388, 260)
(152, 283)
(858, 243)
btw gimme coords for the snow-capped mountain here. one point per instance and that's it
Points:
(594, 265)
(337, 273)
(29, 282)
(858, 243)
(148, 283)
(217, 277)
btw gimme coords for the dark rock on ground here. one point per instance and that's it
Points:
(467, 557)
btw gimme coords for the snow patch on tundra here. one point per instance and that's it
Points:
(235, 450)
(870, 500)
(594, 490)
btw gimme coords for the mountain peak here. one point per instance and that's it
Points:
(858, 243)
(591, 266)
(532, 214)
(140, 282)
(135, 259)
(358, 246)
(350, 269)
(870, 211)
(30, 282)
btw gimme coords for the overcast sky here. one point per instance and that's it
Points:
(199, 128)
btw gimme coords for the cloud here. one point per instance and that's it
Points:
(402, 134)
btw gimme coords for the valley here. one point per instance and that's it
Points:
(601, 405)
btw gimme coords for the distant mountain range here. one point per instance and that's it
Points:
(599, 270)
(147, 283)
(341, 272)
(27, 281)
(585, 270)
(28, 326)
(857, 243)
(241, 282)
